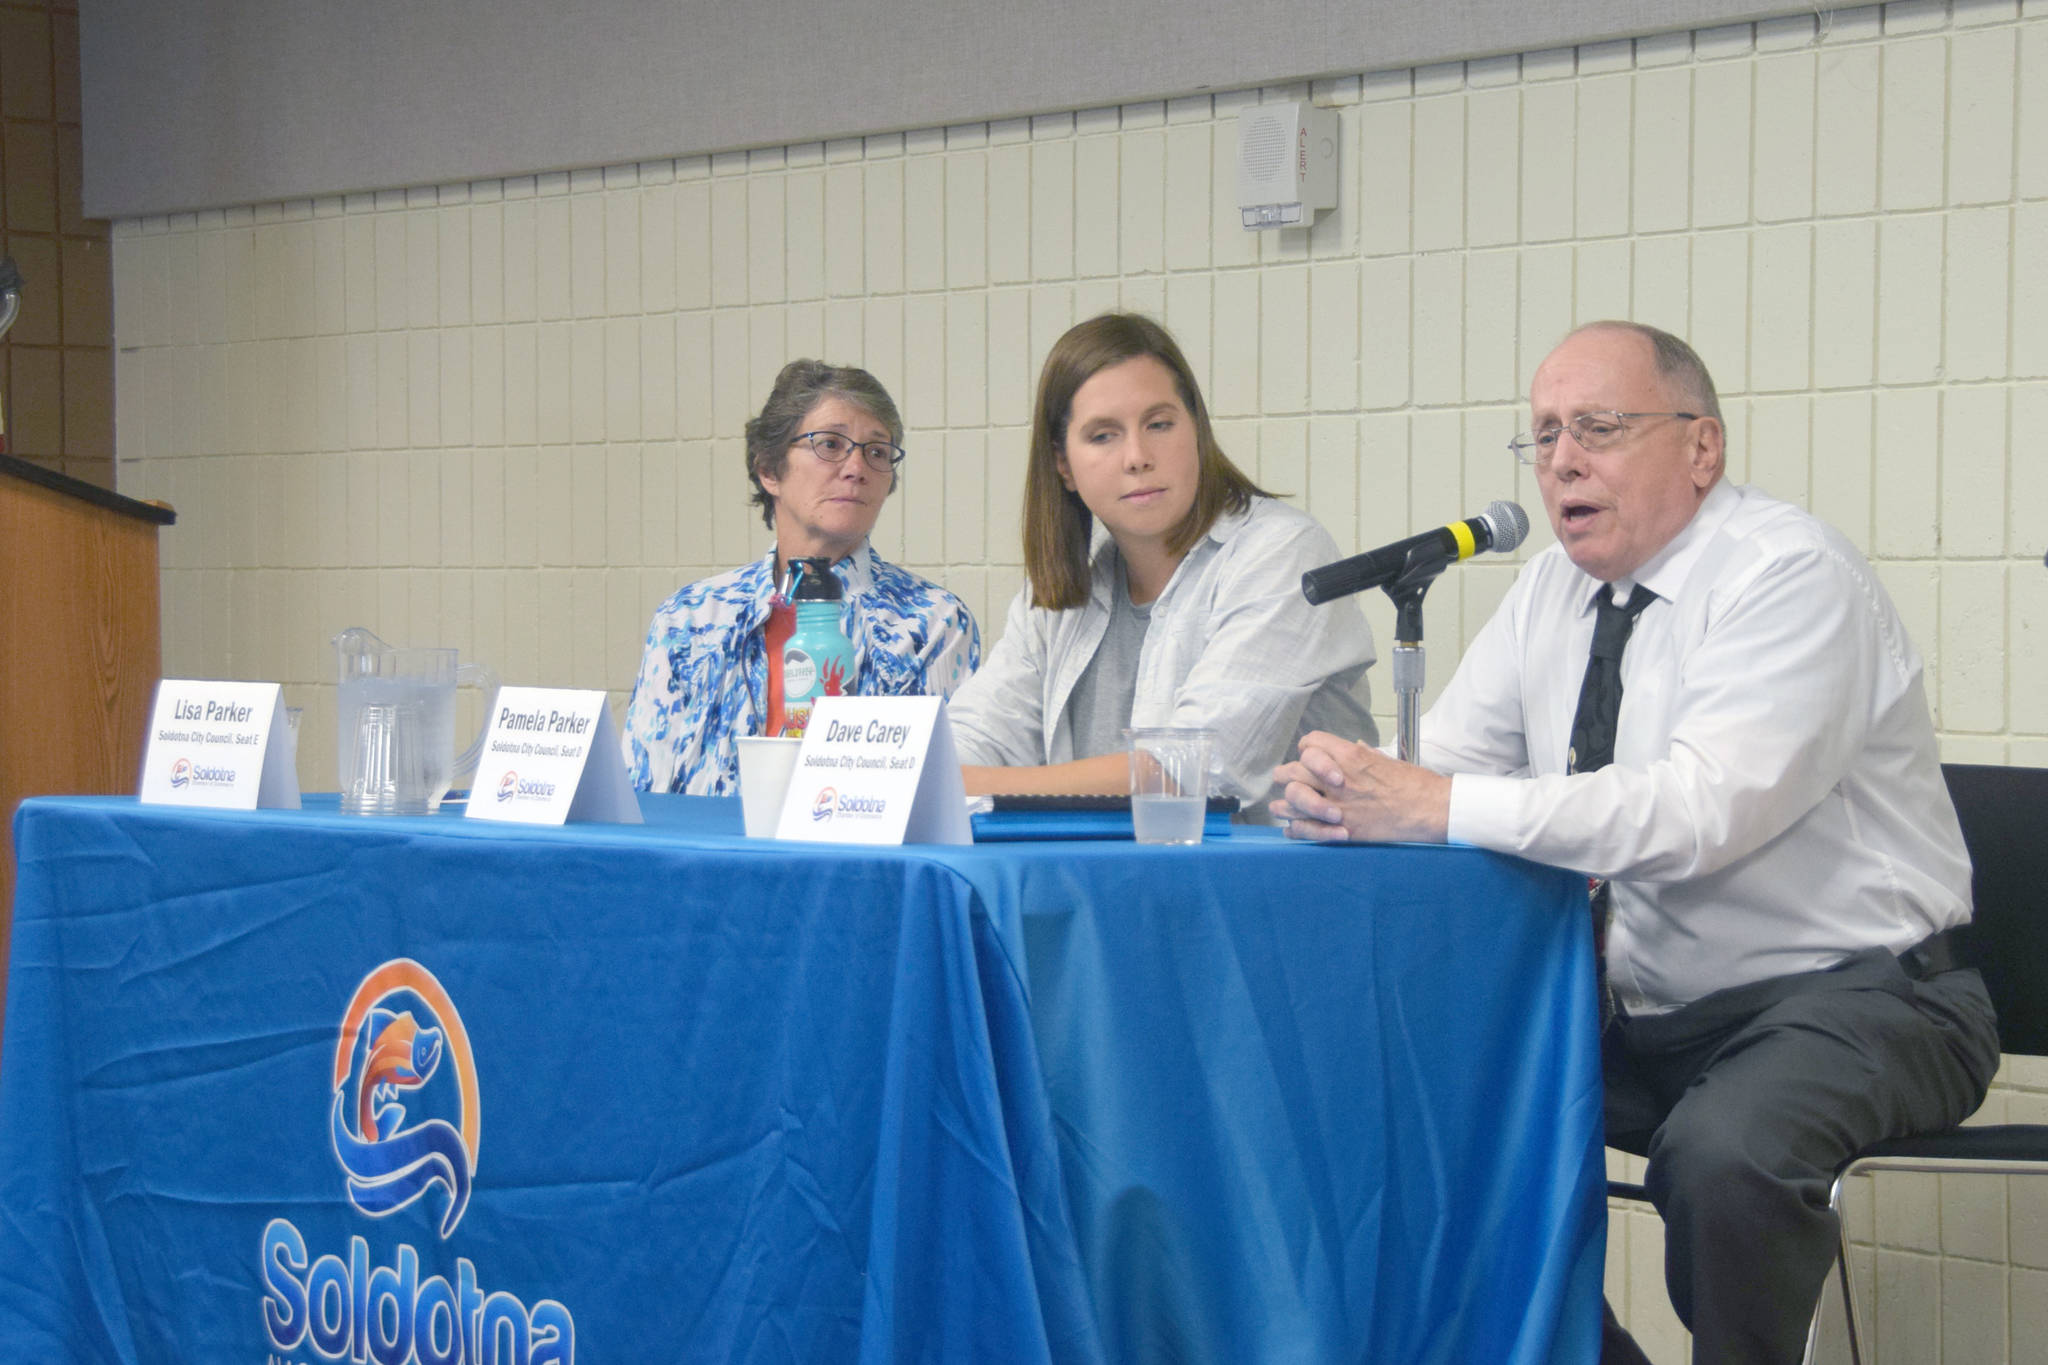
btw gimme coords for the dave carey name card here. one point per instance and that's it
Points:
(877, 770)
(219, 744)
(551, 755)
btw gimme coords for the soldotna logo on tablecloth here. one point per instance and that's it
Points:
(404, 1121)
(393, 1036)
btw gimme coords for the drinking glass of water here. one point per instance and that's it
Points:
(1169, 783)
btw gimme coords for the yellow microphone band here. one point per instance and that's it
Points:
(1462, 533)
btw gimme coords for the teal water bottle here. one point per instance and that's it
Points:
(818, 659)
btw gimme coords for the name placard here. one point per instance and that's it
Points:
(551, 754)
(877, 770)
(218, 744)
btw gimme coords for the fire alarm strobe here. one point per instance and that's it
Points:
(1286, 163)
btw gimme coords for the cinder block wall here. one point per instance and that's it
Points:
(506, 415)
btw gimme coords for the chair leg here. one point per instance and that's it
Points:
(1849, 1316)
(1848, 1290)
(1849, 1307)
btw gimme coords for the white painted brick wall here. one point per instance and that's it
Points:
(506, 415)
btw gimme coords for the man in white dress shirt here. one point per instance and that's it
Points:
(1779, 987)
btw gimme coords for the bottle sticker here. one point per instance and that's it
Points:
(799, 675)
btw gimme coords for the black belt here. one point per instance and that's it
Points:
(1931, 956)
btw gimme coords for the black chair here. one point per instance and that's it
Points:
(2004, 814)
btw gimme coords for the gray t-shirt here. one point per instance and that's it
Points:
(1100, 707)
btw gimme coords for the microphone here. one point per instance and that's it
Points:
(1500, 527)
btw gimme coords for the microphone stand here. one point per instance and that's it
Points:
(1423, 565)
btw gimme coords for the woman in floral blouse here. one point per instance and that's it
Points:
(822, 456)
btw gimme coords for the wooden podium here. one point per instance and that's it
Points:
(80, 644)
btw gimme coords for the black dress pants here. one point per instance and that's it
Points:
(1748, 1100)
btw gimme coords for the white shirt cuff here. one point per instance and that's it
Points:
(1486, 811)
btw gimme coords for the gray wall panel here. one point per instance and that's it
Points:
(197, 103)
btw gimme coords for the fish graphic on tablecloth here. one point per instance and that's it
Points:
(390, 1165)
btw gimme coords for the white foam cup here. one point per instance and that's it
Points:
(765, 766)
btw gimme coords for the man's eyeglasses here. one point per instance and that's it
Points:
(832, 448)
(1592, 430)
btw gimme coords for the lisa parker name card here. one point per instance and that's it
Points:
(219, 744)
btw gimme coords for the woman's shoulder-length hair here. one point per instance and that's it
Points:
(1057, 524)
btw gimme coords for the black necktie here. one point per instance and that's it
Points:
(1594, 725)
(1600, 694)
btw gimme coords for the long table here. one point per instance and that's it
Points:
(298, 1086)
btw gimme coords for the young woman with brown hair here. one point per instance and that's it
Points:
(1164, 588)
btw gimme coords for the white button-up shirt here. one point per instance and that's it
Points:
(1232, 645)
(1775, 801)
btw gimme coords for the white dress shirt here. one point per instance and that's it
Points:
(1233, 646)
(1775, 801)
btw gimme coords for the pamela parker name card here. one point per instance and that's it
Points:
(551, 754)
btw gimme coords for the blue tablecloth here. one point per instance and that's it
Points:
(305, 1086)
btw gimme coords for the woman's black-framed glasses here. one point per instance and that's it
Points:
(833, 448)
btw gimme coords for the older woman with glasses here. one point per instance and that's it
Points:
(822, 456)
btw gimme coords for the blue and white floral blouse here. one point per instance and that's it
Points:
(704, 675)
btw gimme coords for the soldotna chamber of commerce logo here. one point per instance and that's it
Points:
(821, 808)
(186, 773)
(403, 1119)
(513, 787)
(388, 1078)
